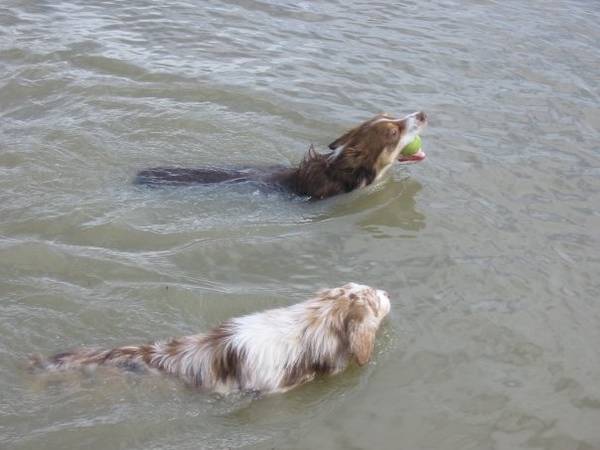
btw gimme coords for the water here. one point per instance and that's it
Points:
(490, 248)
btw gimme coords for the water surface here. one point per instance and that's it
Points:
(489, 249)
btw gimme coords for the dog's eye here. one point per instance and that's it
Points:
(393, 131)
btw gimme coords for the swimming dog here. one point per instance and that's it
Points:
(358, 158)
(271, 351)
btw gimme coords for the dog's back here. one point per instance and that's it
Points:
(173, 176)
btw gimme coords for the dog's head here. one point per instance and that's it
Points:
(377, 143)
(354, 312)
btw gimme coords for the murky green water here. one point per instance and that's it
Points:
(490, 249)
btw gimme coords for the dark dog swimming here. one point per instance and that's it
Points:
(358, 158)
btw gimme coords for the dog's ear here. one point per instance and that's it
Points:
(361, 333)
(343, 139)
(338, 142)
(362, 342)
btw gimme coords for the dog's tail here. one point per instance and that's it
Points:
(196, 359)
(134, 358)
(186, 357)
(176, 176)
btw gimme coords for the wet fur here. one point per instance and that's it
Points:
(357, 158)
(270, 351)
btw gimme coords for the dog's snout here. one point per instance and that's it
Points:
(421, 116)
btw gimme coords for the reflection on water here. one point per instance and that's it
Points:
(489, 248)
(387, 205)
(396, 210)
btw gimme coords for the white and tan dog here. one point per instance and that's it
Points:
(271, 351)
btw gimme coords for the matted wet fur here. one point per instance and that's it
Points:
(270, 351)
(359, 157)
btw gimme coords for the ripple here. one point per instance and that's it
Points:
(489, 248)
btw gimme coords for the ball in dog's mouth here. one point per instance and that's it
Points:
(412, 152)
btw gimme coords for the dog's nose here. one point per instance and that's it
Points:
(422, 117)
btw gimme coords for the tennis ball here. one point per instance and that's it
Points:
(413, 147)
